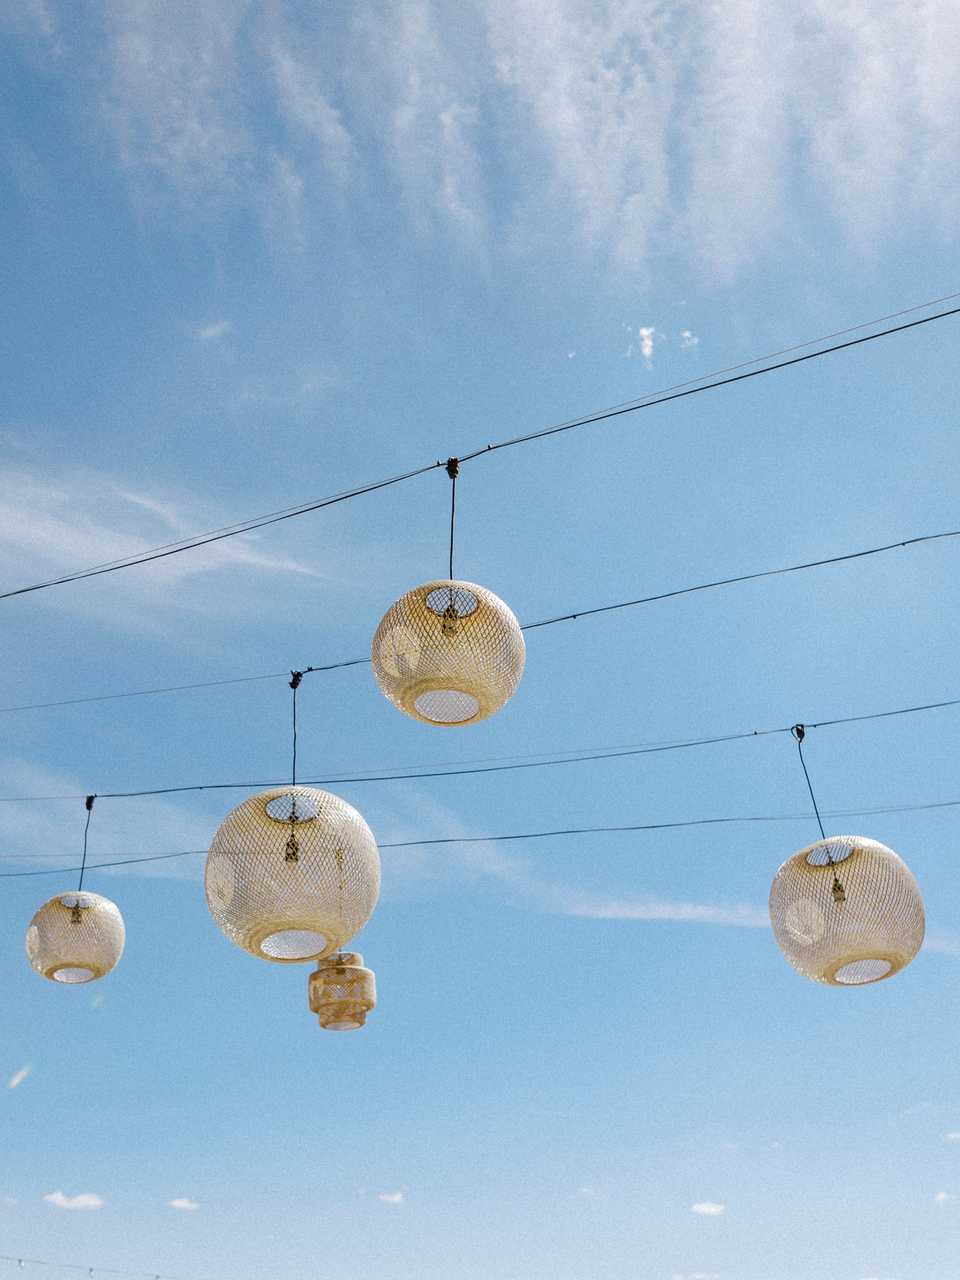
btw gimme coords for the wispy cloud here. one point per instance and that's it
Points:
(688, 339)
(696, 1275)
(18, 1077)
(391, 1197)
(211, 332)
(86, 1200)
(945, 1197)
(708, 1209)
(184, 1204)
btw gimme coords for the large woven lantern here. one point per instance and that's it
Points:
(448, 653)
(342, 992)
(75, 937)
(847, 911)
(292, 874)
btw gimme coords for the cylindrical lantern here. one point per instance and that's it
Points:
(448, 653)
(847, 911)
(75, 937)
(292, 874)
(342, 992)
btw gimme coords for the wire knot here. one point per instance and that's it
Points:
(799, 732)
(88, 802)
(453, 468)
(295, 678)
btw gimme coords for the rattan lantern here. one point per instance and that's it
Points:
(292, 874)
(448, 653)
(342, 992)
(75, 937)
(847, 911)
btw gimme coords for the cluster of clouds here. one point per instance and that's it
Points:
(630, 121)
(89, 1200)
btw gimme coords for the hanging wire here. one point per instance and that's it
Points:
(88, 802)
(453, 470)
(725, 820)
(570, 756)
(799, 732)
(529, 626)
(258, 522)
(293, 845)
(295, 678)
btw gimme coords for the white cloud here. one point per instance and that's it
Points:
(696, 1275)
(210, 332)
(688, 339)
(184, 1204)
(391, 1197)
(945, 1197)
(708, 1208)
(18, 1077)
(86, 1200)
(954, 1136)
(595, 907)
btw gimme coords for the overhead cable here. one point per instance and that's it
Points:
(647, 402)
(413, 772)
(620, 829)
(672, 594)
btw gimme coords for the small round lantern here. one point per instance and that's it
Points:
(448, 653)
(342, 992)
(847, 911)
(76, 937)
(292, 874)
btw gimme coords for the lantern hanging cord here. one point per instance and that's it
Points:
(88, 802)
(295, 678)
(453, 470)
(799, 732)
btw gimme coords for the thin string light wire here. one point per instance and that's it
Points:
(88, 803)
(259, 522)
(727, 820)
(453, 470)
(798, 732)
(530, 626)
(569, 757)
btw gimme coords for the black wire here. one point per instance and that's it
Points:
(259, 522)
(813, 798)
(86, 827)
(693, 391)
(530, 626)
(439, 772)
(78, 1266)
(202, 540)
(534, 835)
(453, 514)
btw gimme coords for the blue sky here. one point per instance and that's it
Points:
(257, 254)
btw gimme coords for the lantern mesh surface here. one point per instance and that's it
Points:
(342, 992)
(75, 937)
(448, 653)
(292, 874)
(872, 932)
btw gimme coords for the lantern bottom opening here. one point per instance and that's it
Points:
(447, 706)
(351, 1018)
(859, 972)
(293, 944)
(73, 974)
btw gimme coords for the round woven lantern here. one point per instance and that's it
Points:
(342, 992)
(75, 937)
(448, 653)
(292, 874)
(847, 911)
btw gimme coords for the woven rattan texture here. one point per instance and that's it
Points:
(871, 934)
(75, 937)
(298, 903)
(448, 653)
(342, 992)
